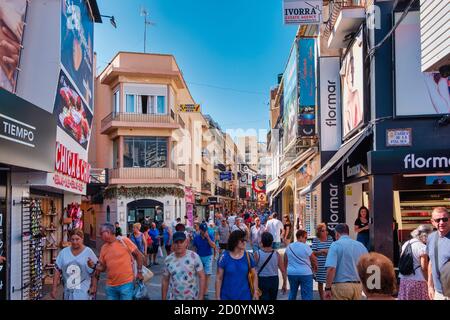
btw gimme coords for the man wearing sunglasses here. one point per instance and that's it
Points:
(438, 249)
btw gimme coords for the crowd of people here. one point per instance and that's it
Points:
(250, 250)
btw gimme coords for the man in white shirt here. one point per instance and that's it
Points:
(232, 220)
(275, 227)
(239, 225)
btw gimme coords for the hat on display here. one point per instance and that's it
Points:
(179, 236)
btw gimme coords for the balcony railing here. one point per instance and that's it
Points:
(146, 173)
(136, 118)
(336, 7)
(181, 175)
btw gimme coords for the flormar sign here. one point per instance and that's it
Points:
(70, 164)
(302, 11)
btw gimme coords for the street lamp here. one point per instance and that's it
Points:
(112, 20)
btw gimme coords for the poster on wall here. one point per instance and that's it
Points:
(417, 93)
(12, 25)
(72, 114)
(352, 73)
(77, 46)
(290, 93)
(307, 87)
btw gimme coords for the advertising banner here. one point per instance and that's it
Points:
(302, 11)
(417, 93)
(330, 104)
(290, 93)
(353, 86)
(258, 184)
(72, 114)
(226, 176)
(12, 25)
(77, 46)
(307, 87)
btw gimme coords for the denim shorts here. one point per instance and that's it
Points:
(123, 292)
(207, 264)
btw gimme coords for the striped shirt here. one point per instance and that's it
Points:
(321, 275)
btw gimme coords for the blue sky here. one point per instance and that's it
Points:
(230, 51)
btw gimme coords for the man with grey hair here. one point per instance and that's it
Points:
(343, 281)
(438, 249)
(116, 258)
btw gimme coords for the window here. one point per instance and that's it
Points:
(116, 153)
(108, 214)
(130, 103)
(116, 101)
(161, 105)
(146, 152)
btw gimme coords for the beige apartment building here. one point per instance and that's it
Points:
(152, 152)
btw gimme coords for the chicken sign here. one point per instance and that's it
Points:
(72, 115)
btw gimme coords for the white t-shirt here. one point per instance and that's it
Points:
(76, 273)
(274, 226)
(231, 221)
(418, 250)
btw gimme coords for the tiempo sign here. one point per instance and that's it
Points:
(302, 11)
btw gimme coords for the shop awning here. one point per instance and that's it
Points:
(279, 189)
(338, 159)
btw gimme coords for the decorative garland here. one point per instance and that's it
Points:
(142, 192)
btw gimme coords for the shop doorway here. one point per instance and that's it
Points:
(145, 211)
(356, 196)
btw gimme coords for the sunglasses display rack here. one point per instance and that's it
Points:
(51, 244)
(32, 249)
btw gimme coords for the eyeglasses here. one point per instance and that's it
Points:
(440, 219)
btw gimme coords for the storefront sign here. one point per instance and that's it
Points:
(213, 200)
(189, 195)
(307, 87)
(398, 137)
(411, 161)
(190, 108)
(302, 11)
(77, 46)
(330, 104)
(11, 33)
(262, 198)
(70, 164)
(27, 134)
(226, 176)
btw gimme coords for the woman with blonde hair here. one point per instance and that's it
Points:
(413, 285)
(320, 246)
(137, 237)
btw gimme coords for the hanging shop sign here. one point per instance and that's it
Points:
(398, 137)
(259, 185)
(213, 200)
(307, 87)
(77, 46)
(302, 11)
(72, 114)
(226, 176)
(11, 33)
(27, 134)
(243, 180)
(189, 108)
(411, 161)
(330, 104)
(189, 195)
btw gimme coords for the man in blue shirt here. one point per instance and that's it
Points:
(436, 269)
(204, 246)
(342, 275)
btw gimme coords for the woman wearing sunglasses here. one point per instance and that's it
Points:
(72, 265)
(320, 246)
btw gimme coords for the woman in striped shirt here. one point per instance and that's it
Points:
(320, 247)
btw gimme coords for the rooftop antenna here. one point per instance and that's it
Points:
(147, 22)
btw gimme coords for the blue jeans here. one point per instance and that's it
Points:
(269, 287)
(123, 292)
(306, 287)
(364, 238)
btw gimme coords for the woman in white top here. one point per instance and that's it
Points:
(414, 286)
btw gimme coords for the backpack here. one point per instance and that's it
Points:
(406, 262)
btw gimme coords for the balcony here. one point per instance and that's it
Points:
(206, 156)
(146, 176)
(117, 120)
(206, 187)
(345, 18)
(223, 192)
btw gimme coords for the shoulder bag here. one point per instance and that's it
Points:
(265, 262)
(251, 278)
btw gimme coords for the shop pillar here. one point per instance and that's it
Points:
(381, 208)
